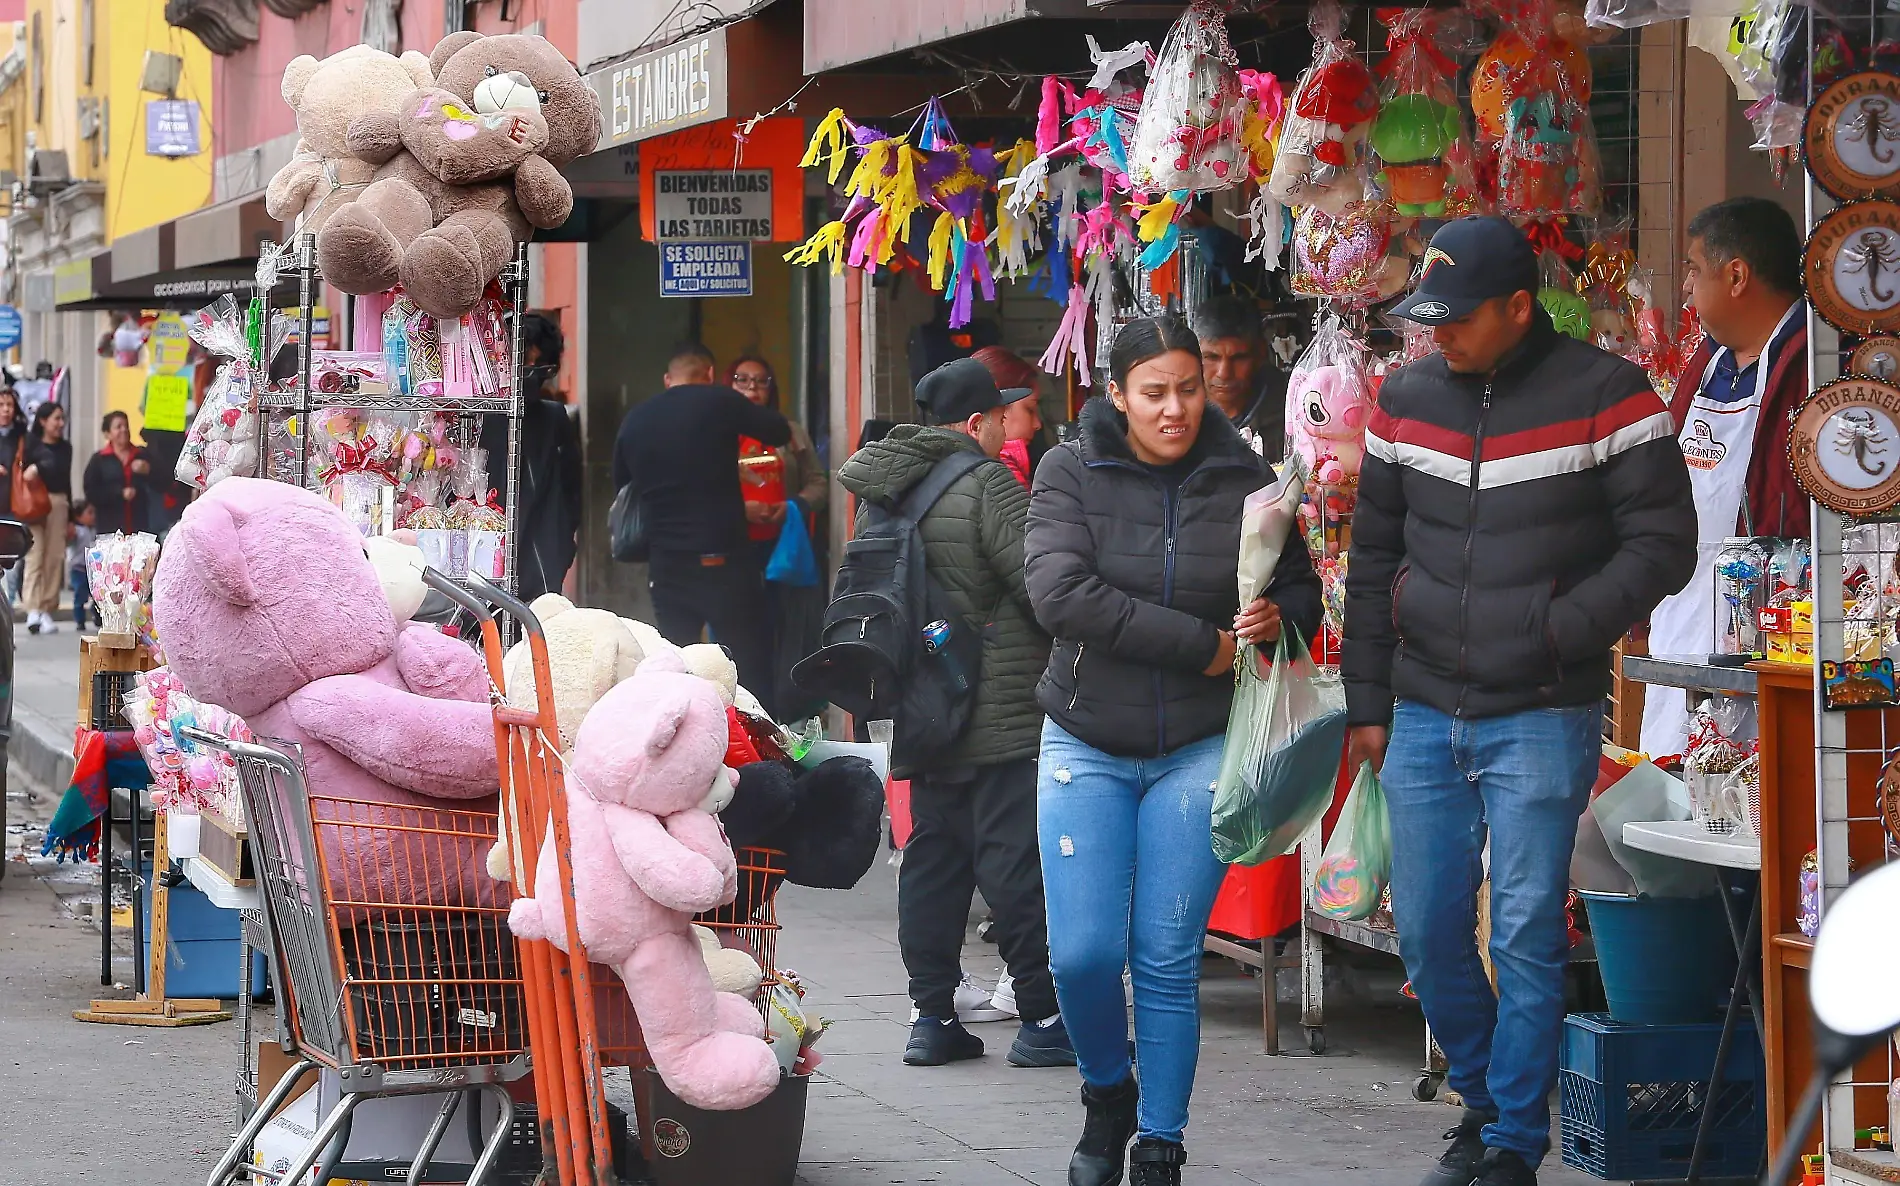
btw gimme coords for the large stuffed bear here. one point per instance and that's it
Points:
(647, 856)
(466, 168)
(328, 97)
(270, 607)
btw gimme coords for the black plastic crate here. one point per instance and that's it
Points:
(109, 689)
(1632, 1097)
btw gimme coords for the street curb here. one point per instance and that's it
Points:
(41, 750)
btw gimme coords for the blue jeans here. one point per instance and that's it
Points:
(1129, 874)
(1525, 777)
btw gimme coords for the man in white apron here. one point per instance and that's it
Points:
(1743, 280)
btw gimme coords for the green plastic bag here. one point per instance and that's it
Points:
(1357, 864)
(1284, 737)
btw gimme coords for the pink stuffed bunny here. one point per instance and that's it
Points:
(1327, 411)
(270, 607)
(647, 856)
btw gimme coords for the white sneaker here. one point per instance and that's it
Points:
(48, 624)
(973, 1003)
(1004, 998)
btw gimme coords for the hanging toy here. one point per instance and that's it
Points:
(1323, 140)
(1419, 135)
(1188, 135)
(1510, 57)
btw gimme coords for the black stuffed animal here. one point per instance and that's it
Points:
(833, 836)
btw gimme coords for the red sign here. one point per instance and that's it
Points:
(776, 144)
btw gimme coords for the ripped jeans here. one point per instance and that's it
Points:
(1129, 875)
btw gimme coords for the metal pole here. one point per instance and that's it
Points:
(517, 413)
(306, 285)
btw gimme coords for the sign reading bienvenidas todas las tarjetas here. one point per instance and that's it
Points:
(713, 204)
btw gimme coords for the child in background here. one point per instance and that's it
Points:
(78, 543)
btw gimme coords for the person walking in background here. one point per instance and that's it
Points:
(680, 452)
(83, 534)
(771, 478)
(550, 495)
(1023, 445)
(117, 481)
(49, 461)
(1522, 504)
(13, 432)
(1133, 545)
(973, 811)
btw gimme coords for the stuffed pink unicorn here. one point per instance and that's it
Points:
(1327, 411)
(647, 855)
(269, 606)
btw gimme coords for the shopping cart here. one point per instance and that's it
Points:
(397, 997)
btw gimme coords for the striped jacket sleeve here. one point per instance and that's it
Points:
(1645, 485)
(1378, 549)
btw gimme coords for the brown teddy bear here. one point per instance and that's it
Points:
(329, 96)
(465, 169)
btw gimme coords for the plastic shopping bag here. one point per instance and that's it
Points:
(1357, 864)
(1284, 736)
(793, 562)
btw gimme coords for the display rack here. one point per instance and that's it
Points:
(298, 404)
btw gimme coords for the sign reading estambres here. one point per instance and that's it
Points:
(662, 90)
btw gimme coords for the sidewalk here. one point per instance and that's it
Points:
(112, 1104)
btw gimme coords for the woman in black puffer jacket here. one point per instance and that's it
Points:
(1132, 548)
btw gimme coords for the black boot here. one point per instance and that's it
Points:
(1156, 1162)
(1105, 1134)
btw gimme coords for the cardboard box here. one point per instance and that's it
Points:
(384, 1134)
(225, 848)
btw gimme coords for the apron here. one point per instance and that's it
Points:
(1718, 441)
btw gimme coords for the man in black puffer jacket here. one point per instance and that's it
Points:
(974, 811)
(1523, 503)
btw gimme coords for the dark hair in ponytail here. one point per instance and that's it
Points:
(1146, 338)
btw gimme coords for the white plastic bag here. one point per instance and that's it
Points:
(1285, 733)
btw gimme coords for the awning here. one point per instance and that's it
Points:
(229, 232)
(89, 284)
(845, 32)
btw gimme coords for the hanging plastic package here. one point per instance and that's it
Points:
(1631, 14)
(1357, 864)
(222, 441)
(1328, 405)
(1347, 256)
(1188, 135)
(1419, 137)
(1321, 156)
(1284, 738)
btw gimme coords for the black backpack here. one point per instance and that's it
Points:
(872, 660)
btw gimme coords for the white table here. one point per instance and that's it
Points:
(1736, 861)
(1690, 841)
(212, 884)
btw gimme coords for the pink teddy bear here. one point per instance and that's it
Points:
(647, 856)
(1327, 411)
(270, 607)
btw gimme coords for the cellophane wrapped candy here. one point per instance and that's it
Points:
(1321, 157)
(186, 777)
(1188, 135)
(1347, 257)
(119, 568)
(1419, 136)
(223, 438)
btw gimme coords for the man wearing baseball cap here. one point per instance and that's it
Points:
(1522, 504)
(973, 811)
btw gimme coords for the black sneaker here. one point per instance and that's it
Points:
(1501, 1167)
(934, 1042)
(1155, 1162)
(1459, 1165)
(1042, 1044)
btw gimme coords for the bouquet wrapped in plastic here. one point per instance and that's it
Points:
(1321, 157)
(1419, 136)
(223, 438)
(119, 568)
(1530, 94)
(1188, 135)
(1348, 256)
(186, 777)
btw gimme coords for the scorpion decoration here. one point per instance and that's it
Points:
(1860, 437)
(1872, 125)
(1872, 252)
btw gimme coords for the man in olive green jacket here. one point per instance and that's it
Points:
(974, 810)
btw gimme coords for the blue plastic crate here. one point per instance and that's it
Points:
(1632, 1097)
